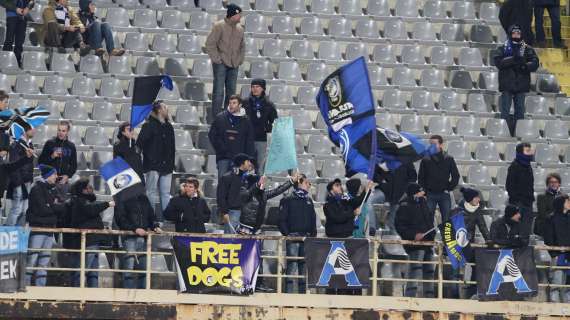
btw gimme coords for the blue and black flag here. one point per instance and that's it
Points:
(144, 94)
(455, 238)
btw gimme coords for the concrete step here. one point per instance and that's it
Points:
(552, 55)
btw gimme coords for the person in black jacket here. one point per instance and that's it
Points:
(20, 179)
(97, 31)
(556, 234)
(86, 214)
(515, 61)
(16, 24)
(5, 141)
(520, 185)
(393, 185)
(231, 133)
(156, 140)
(126, 148)
(517, 12)
(262, 113)
(61, 154)
(544, 202)
(135, 214)
(43, 211)
(438, 176)
(506, 231)
(340, 211)
(189, 210)
(297, 218)
(553, 7)
(415, 222)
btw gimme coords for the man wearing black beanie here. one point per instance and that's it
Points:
(506, 231)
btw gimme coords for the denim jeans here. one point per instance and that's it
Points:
(97, 32)
(224, 76)
(39, 259)
(234, 222)
(443, 201)
(158, 190)
(391, 221)
(224, 166)
(91, 262)
(132, 261)
(505, 105)
(559, 277)
(377, 197)
(17, 215)
(419, 271)
(15, 36)
(554, 13)
(261, 154)
(295, 267)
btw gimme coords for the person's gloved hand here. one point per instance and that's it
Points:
(523, 67)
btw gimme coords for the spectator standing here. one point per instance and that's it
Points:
(515, 60)
(230, 134)
(61, 154)
(517, 12)
(340, 211)
(506, 231)
(553, 7)
(63, 28)
(415, 222)
(97, 31)
(262, 113)
(393, 185)
(438, 176)
(5, 140)
(86, 214)
(135, 214)
(226, 47)
(544, 203)
(557, 235)
(16, 24)
(297, 218)
(20, 179)
(156, 140)
(520, 185)
(188, 210)
(126, 148)
(43, 211)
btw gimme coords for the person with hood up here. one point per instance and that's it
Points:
(515, 60)
(126, 148)
(230, 134)
(544, 202)
(63, 28)
(97, 31)
(225, 46)
(506, 231)
(556, 234)
(520, 185)
(415, 222)
(341, 210)
(188, 210)
(262, 113)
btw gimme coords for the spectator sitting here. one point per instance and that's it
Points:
(556, 234)
(126, 148)
(506, 231)
(189, 210)
(16, 24)
(63, 28)
(544, 202)
(20, 180)
(97, 31)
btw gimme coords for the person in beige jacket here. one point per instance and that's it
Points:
(62, 27)
(226, 47)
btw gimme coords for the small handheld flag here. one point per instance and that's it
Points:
(144, 94)
(455, 238)
(119, 175)
(281, 155)
(20, 120)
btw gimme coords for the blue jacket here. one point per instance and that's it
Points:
(21, 4)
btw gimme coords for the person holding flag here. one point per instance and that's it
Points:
(20, 179)
(126, 148)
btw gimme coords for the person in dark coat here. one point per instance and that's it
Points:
(262, 113)
(438, 176)
(394, 186)
(231, 133)
(520, 185)
(126, 148)
(415, 222)
(556, 234)
(544, 202)
(515, 59)
(43, 211)
(189, 210)
(553, 7)
(517, 12)
(97, 31)
(297, 218)
(506, 231)
(20, 179)
(86, 214)
(156, 140)
(340, 211)
(16, 24)
(61, 154)
(135, 214)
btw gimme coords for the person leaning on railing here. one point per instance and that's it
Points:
(556, 234)
(506, 231)
(189, 211)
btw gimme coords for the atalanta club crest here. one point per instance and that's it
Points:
(393, 136)
(334, 91)
(122, 181)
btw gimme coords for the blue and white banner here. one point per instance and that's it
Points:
(282, 153)
(455, 238)
(13, 253)
(119, 175)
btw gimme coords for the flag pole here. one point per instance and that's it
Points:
(26, 147)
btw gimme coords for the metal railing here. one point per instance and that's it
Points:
(376, 260)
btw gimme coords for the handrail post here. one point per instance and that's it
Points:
(440, 270)
(280, 262)
(375, 246)
(148, 260)
(82, 260)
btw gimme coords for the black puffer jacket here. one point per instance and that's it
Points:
(254, 202)
(514, 71)
(135, 213)
(188, 213)
(131, 153)
(507, 233)
(414, 217)
(473, 220)
(42, 209)
(86, 214)
(557, 231)
(340, 216)
(545, 210)
(228, 193)
(297, 216)
(156, 140)
(520, 184)
(25, 173)
(229, 139)
(65, 165)
(438, 173)
(263, 123)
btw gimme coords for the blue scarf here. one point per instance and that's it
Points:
(257, 105)
(510, 47)
(301, 193)
(340, 197)
(234, 120)
(562, 261)
(553, 192)
(523, 159)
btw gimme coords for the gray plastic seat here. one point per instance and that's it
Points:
(5, 83)
(172, 19)
(424, 31)
(403, 76)
(452, 32)
(283, 25)
(192, 163)
(502, 173)
(301, 119)
(261, 69)
(486, 151)
(308, 167)
(54, 113)
(546, 83)
(461, 79)
(479, 175)
(412, 54)
(302, 49)
(459, 150)
(317, 71)
(202, 68)
(171, 95)
(26, 84)
(128, 4)
(468, 127)
(210, 187)
(470, 57)
(395, 29)
(385, 120)
(135, 41)
(497, 128)
(489, 11)
(379, 8)
(190, 43)
(188, 115)
(422, 100)
(75, 110)
(412, 124)
(556, 129)
(147, 66)
(91, 64)
(350, 7)
(118, 17)
(125, 112)
(546, 154)
(332, 169)
(311, 26)
(120, 65)
(274, 48)
(377, 76)
(476, 102)
(280, 94)
(175, 67)
(183, 140)
(195, 90)
(201, 21)
(165, 43)
(96, 136)
(432, 78)
(441, 56)
(356, 50)
(266, 5)
(111, 88)
(144, 18)
(406, 8)
(481, 34)
(322, 7)
(211, 5)
(299, 144)
(498, 200)
(55, 85)
(536, 105)
(251, 47)
(463, 10)
(256, 23)
(450, 101)
(62, 62)
(83, 86)
(434, 9)
(440, 126)
(367, 29)
(307, 95)
(562, 106)
(32, 61)
(294, 6)
(20, 102)
(394, 99)
(319, 144)
(384, 53)
(539, 177)
(103, 111)
(340, 27)
(157, 4)
(329, 50)
(489, 80)
(527, 129)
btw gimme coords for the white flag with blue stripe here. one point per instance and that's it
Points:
(119, 175)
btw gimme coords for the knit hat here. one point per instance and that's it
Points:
(510, 211)
(331, 183)
(259, 82)
(353, 185)
(413, 188)
(84, 5)
(240, 158)
(469, 194)
(233, 9)
(47, 171)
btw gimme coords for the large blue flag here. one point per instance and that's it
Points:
(20, 120)
(144, 94)
(455, 239)
(282, 154)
